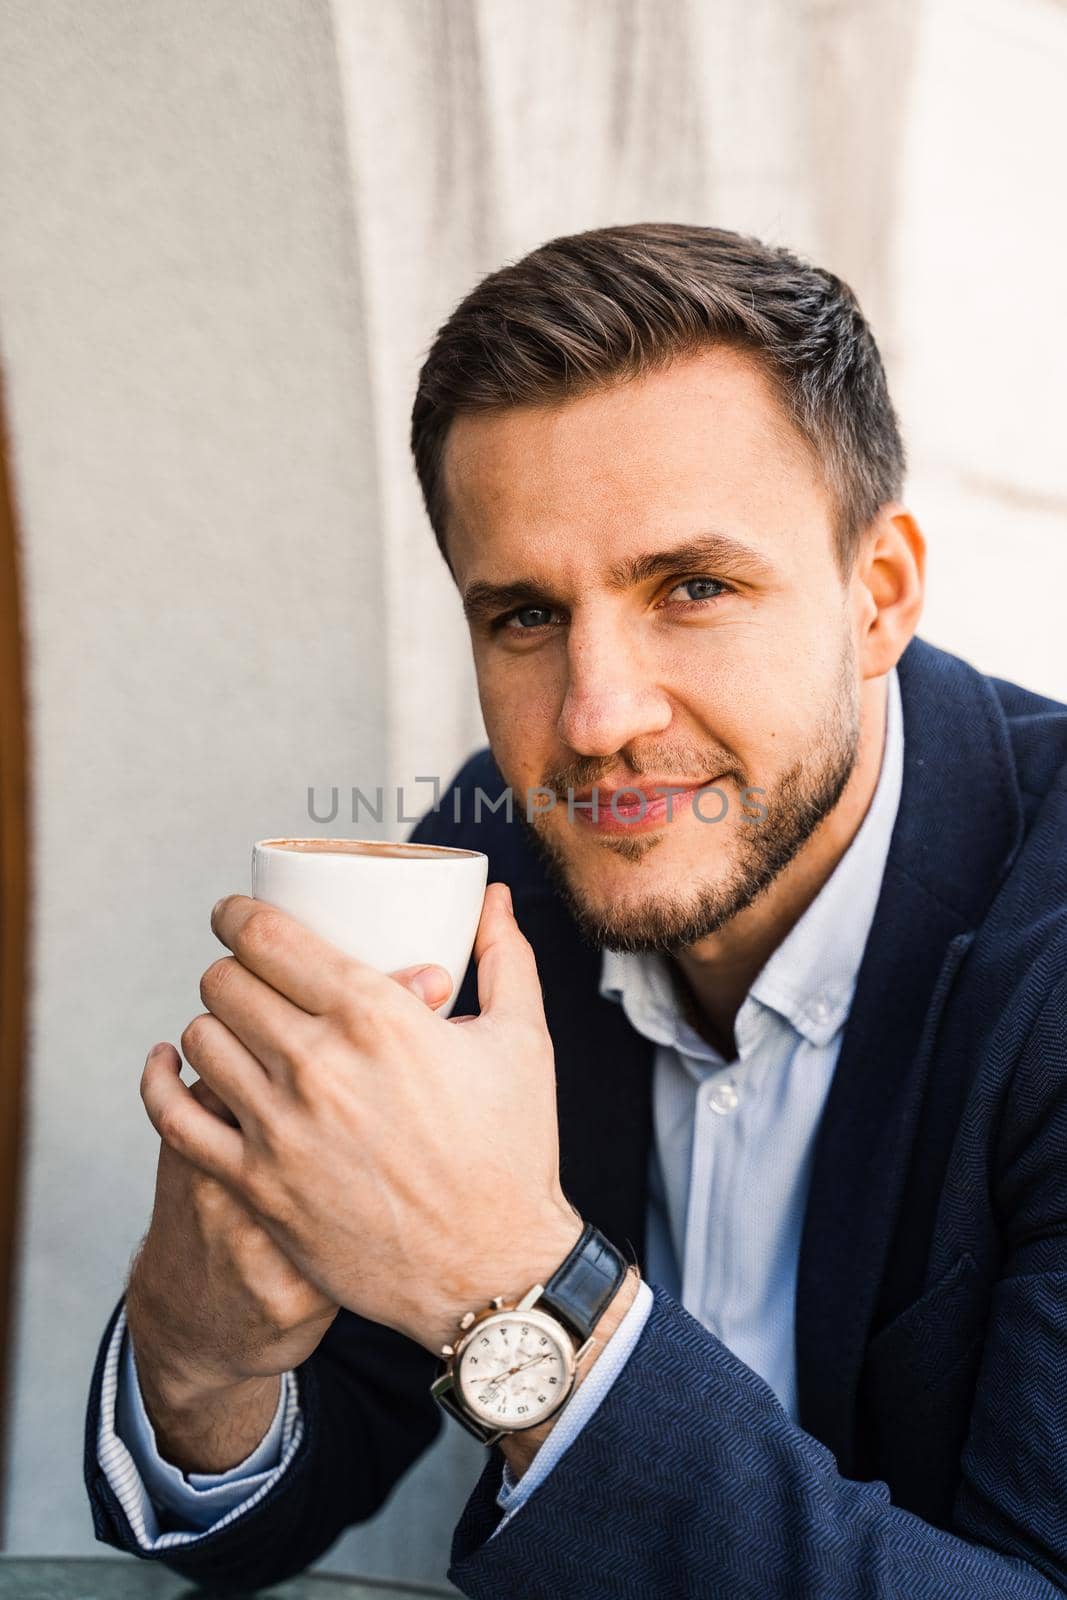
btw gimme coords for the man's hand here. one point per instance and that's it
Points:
(215, 1309)
(211, 1301)
(406, 1165)
(215, 1312)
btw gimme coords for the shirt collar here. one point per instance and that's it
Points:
(809, 978)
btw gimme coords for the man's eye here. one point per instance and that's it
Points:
(529, 619)
(700, 589)
(526, 619)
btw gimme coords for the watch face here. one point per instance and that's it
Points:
(516, 1368)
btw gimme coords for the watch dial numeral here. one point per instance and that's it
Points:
(553, 1380)
(541, 1398)
(485, 1341)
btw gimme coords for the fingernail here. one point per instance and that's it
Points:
(156, 1048)
(431, 983)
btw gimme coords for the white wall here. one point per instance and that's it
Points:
(981, 330)
(187, 388)
(232, 230)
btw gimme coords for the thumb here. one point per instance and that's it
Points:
(508, 984)
(431, 984)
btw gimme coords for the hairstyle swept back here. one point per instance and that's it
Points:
(591, 309)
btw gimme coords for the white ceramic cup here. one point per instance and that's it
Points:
(390, 905)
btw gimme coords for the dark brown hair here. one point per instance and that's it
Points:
(590, 309)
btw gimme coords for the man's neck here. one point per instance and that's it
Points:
(714, 976)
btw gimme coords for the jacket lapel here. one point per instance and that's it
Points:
(947, 856)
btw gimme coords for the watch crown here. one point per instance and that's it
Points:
(466, 1319)
(497, 1301)
(447, 1350)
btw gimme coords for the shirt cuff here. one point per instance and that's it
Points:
(514, 1492)
(165, 1506)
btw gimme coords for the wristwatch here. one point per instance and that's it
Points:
(516, 1365)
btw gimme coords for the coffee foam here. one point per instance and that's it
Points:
(363, 847)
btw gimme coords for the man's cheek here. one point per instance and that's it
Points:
(515, 726)
(514, 752)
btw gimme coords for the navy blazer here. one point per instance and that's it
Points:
(930, 1459)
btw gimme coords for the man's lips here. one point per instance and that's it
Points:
(634, 808)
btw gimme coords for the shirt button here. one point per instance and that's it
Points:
(821, 1010)
(723, 1099)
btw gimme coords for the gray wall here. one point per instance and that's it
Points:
(231, 229)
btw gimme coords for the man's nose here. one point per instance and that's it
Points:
(612, 697)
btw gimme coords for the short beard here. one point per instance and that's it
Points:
(806, 793)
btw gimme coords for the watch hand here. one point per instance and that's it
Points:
(531, 1363)
(512, 1370)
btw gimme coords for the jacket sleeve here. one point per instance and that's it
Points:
(573, 1417)
(691, 1480)
(367, 1415)
(146, 1484)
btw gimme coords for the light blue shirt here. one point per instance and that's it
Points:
(729, 1168)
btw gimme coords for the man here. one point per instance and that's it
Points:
(790, 924)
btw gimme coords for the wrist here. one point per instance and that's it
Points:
(515, 1360)
(532, 1258)
(519, 1448)
(171, 1383)
(183, 1391)
(187, 1400)
(209, 1427)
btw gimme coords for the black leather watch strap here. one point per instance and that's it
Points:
(584, 1283)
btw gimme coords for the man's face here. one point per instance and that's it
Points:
(669, 613)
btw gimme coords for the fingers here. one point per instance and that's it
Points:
(508, 983)
(228, 1067)
(276, 1034)
(210, 1100)
(433, 985)
(184, 1124)
(274, 1031)
(310, 971)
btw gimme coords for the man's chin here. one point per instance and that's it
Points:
(631, 902)
(639, 923)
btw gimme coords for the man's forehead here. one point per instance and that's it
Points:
(721, 383)
(633, 467)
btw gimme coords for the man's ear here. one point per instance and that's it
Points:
(888, 582)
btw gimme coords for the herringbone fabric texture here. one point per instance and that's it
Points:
(690, 1481)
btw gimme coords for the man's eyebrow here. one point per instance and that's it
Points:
(710, 550)
(482, 601)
